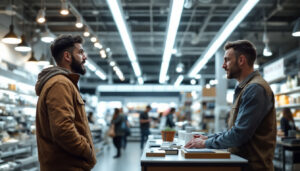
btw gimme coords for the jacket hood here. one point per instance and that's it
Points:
(46, 74)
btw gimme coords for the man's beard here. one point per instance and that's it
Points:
(234, 72)
(77, 67)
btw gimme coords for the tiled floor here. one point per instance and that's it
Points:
(129, 160)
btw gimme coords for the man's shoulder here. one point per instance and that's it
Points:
(59, 79)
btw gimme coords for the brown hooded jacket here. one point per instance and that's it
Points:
(63, 136)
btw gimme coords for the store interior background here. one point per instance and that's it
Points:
(114, 81)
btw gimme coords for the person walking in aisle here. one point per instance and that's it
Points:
(252, 124)
(126, 127)
(117, 121)
(64, 139)
(287, 121)
(145, 125)
(170, 122)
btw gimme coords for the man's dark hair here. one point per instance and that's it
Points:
(148, 107)
(243, 47)
(64, 43)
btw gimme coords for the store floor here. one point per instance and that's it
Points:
(129, 160)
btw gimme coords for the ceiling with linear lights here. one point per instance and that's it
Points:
(147, 22)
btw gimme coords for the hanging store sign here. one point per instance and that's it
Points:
(274, 71)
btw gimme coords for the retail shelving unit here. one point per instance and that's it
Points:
(17, 115)
(287, 154)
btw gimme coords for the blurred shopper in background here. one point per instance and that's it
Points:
(170, 118)
(118, 120)
(252, 124)
(287, 121)
(64, 139)
(126, 128)
(91, 118)
(145, 125)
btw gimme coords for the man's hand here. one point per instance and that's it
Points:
(203, 137)
(196, 143)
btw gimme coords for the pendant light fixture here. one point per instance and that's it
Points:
(41, 17)
(79, 23)
(47, 36)
(86, 32)
(64, 8)
(23, 46)
(11, 37)
(267, 51)
(32, 57)
(296, 30)
(43, 61)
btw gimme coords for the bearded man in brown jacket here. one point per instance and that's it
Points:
(63, 136)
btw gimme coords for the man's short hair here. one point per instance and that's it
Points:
(243, 47)
(148, 107)
(64, 43)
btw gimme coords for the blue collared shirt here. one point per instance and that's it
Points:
(254, 106)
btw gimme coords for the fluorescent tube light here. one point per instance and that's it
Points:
(116, 10)
(136, 68)
(178, 80)
(177, 7)
(140, 80)
(95, 68)
(232, 22)
(100, 74)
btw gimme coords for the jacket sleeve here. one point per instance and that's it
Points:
(61, 118)
(254, 106)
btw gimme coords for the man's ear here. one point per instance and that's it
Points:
(242, 60)
(67, 56)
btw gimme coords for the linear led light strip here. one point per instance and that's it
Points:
(116, 10)
(178, 80)
(95, 68)
(177, 7)
(232, 22)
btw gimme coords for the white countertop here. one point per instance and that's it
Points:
(179, 158)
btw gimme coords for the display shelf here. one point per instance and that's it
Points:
(288, 106)
(18, 92)
(297, 119)
(15, 152)
(17, 105)
(291, 91)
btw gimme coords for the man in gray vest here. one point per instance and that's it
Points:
(252, 123)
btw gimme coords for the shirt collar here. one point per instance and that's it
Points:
(247, 79)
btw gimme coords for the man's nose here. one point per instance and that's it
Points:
(224, 65)
(84, 56)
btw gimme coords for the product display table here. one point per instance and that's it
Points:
(287, 146)
(179, 163)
